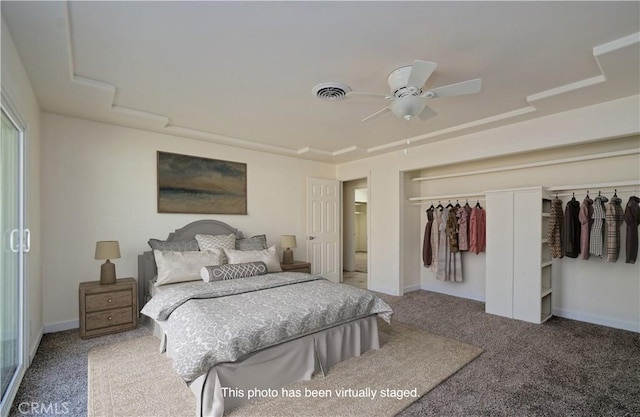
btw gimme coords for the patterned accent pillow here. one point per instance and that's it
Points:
(268, 256)
(183, 266)
(209, 242)
(176, 246)
(232, 271)
(258, 242)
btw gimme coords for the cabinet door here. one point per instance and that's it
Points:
(499, 257)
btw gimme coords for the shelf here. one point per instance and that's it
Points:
(546, 214)
(546, 264)
(545, 292)
(545, 241)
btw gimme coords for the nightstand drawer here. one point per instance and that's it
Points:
(108, 318)
(111, 300)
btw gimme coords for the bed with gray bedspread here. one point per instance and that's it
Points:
(258, 332)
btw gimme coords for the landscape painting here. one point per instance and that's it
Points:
(191, 184)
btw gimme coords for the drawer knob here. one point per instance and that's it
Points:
(109, 318)
(109, 300)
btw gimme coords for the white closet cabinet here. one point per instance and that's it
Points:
(518, 261)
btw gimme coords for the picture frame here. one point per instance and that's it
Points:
(198, 185)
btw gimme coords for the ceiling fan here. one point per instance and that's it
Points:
(408, 97)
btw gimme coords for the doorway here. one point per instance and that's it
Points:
(355, 226)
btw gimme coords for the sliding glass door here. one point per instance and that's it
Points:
(12, 247)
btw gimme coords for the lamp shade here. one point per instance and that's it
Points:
(107, 249)
(288, 241)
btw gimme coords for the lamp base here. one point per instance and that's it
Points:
(287, 257)
(107, 273)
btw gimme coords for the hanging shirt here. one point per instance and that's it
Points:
(615, 216)
(477, 233)
(586, 220)
(427, 255)
(463, 228)
(596, 240)
(452, 230)
(632, 218)
(554, 230)
(571, 227)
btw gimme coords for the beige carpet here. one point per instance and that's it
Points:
(132, 379)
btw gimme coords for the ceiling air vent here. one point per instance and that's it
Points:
(331, 91)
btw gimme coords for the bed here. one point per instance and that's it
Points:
(236, 340)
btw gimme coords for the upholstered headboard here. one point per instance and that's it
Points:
(147, 263)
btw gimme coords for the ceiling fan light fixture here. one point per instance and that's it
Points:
(408, 106)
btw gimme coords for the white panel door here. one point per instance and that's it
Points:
(323, 227)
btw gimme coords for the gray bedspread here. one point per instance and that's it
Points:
(223, 321)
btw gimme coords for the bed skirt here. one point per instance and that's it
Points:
(228, 385)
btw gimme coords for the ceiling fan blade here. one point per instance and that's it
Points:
(427, 113)
(458, 89)
(379, 112)
(420, 72)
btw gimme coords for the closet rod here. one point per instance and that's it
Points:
(617, 191)
(532, 165)
(475, 196)
(593, 186)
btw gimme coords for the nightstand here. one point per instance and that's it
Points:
(106, 309)
(297, 266)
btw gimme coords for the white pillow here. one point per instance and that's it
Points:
(209, 242)
(183, 266)
(268, 256)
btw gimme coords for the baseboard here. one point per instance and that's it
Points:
(414, 287)
(383, 290)
(595, 319)
(455, 293)
(61, 326)
(33, 349)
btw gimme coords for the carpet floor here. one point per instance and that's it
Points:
(561, 368)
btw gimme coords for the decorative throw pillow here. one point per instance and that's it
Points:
(176, 246)
(183, 266)
(207, 242)
(231, 271)
(268, 256)
(258, 242)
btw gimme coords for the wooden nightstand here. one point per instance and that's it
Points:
(106, 309)
(297, 266)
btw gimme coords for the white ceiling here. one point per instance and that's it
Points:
(241, 73)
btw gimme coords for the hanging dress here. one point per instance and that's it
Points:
(596, 240)
(463, 229)
(615, 218)
(477, 232)
(453, 271)
(632, 218)
(444, 251)
(571, 227)
(427, 254)
(554, 231)
(435, 240)
(586, 220)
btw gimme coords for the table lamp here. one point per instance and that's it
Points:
(107, 249)
(288, 242)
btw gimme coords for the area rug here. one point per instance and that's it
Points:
(132, 379)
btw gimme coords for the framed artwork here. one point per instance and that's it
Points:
(191, 184)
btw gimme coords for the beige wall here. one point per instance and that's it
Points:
(99, 183)
(395, 245)
(17, 88)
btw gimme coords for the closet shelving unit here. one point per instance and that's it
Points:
(518, 262)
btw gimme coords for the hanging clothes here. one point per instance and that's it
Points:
(443, 247)
(554, 229)
(427, 255)
(477, 232)
(449, 263)
(463, 228)
(586, 221)
(596, 240)
(452, 231)
(435, 240)
(467, 208)
(632, 218)
(615, 218)
(571, 228)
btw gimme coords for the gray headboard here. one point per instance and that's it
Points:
(147, 263)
